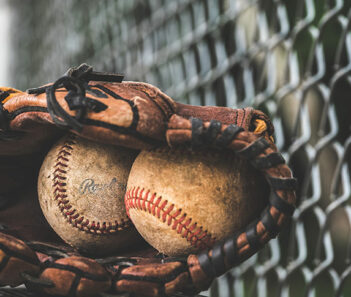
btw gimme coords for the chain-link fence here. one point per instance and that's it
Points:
(291, 59)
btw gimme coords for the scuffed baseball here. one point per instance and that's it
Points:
(81, 187)
(182, 201)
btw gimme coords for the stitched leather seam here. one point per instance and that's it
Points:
(60, 195)
(144, 200)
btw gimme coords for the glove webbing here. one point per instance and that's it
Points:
(225, 255)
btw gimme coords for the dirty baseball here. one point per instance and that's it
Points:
(182, 201)
(81, 188)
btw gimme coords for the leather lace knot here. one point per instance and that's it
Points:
(75, 81)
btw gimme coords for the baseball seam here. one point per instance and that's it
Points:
(60, 195)
(141, 199)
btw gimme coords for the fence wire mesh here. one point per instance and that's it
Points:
(291, 59)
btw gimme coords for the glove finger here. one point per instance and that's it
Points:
(75, 276)
(153, 280)
(128, 114)
(15, 258)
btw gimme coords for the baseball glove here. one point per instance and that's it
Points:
(100, 107)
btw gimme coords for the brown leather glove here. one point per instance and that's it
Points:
(100, 107)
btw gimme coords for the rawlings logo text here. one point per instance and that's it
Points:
(89, 186)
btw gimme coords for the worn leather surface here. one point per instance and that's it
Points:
(136, 116)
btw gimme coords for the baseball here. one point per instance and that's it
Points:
(182, 201)
(81, 187)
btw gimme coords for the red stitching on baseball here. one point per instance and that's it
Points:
(178, 220)
(59, 191)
